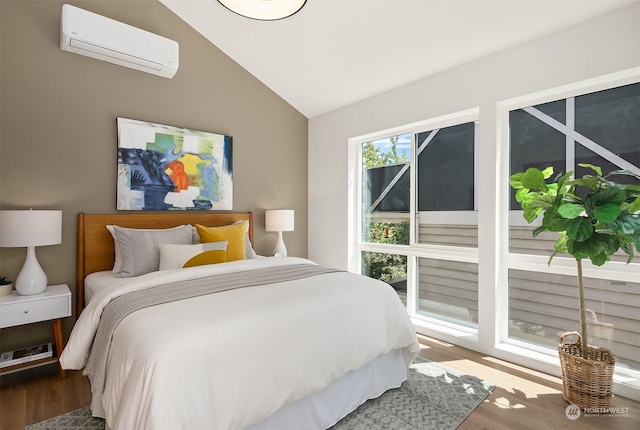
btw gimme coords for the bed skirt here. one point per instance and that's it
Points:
(326, 407)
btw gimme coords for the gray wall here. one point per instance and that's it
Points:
(58, 125)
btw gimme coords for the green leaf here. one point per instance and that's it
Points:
(625, 223)
(516, 180)
(590, 182)
(572, 197)
(613, 194)
(580, 229)
(579, 250)
(599, 259)
(596, 243)
(561, 245)
(562, 189)
(553, 221)
(596, 169)
(630, 258)
(623, 172)
(628, 249)
(521, 195)
(534, 179)
(607, 212)
(531, 213)
(570, 210)
(611, 243)
(547, 172)
(635, 205)
(536, 231)
(541, 201)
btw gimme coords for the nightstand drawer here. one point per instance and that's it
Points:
(53, 304)
(41, 310)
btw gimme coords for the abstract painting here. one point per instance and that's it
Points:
(161, 167)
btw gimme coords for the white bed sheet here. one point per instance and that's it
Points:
(258, 349)
(99, 281)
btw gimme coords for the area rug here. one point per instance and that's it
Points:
(434, 397)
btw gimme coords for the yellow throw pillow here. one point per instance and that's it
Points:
(207, 257)
(233, 234)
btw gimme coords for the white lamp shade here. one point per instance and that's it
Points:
(279, 220)
(265, 10)
(20, 228)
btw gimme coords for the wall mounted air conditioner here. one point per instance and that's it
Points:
(96, 36)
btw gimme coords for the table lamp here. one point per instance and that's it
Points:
(30, 228)
(279, 220)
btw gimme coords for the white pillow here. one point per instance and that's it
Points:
(174, 256)
(117, 264)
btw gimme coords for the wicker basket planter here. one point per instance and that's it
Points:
(586, 382)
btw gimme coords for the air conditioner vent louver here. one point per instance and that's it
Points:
(88, 47)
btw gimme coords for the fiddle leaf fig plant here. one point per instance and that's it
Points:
(593, 215)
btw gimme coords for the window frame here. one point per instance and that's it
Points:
(563, 265)
(414, 249)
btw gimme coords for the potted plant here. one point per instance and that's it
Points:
(6, 286)
(595, 217)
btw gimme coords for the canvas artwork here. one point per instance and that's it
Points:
(161, 167)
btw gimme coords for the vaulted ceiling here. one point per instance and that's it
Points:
(336, 52)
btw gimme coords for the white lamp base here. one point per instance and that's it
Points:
(32, 279)
(280, 248)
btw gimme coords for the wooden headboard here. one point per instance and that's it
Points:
(96, 248)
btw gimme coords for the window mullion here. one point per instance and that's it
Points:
(413, 209)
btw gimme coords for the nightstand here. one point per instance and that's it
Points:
(49, 306)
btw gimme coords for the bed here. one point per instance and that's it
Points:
(252, 342)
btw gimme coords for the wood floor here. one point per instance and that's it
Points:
(523, 399)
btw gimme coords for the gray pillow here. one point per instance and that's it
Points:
(139, 248)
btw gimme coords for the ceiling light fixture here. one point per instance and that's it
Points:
(264, 10)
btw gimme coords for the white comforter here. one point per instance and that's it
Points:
(231, 359)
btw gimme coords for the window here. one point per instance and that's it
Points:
(390, 268)
(600, 128)
(417, 223)
(446, 185)
(385, 190)
(385, 207)
(417, 211)
(446, 200)
(543, 306)
(448, 291)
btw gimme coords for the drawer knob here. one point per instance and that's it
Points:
(26, 311)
